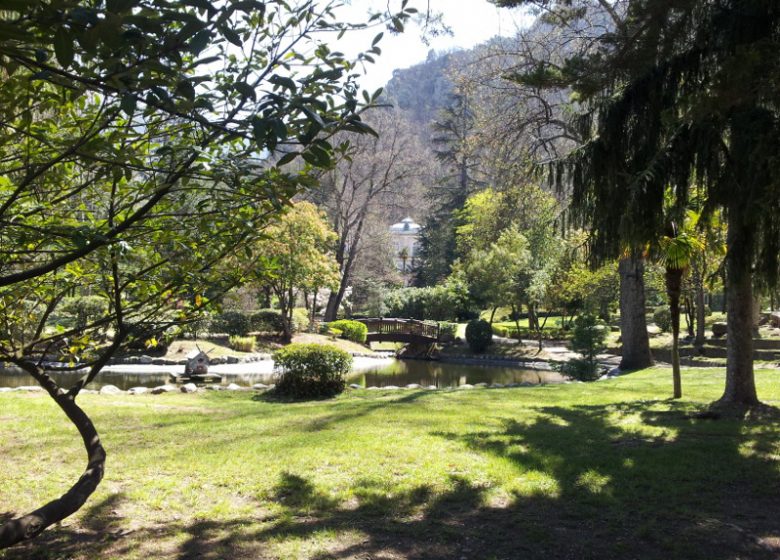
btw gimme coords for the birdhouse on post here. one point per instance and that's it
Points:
(197, 363)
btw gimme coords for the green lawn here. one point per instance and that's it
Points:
(604, 470)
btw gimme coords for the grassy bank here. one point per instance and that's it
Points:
(604, 470)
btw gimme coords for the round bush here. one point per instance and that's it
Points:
(351, 330)
(663, 318)
(306, 371)
(479, 335)
(233, 323)
(267, 320)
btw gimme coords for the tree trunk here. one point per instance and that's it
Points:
(756, 314)
(633, 326)
(32, 524)
(673, 288)
(698, 281)
(533, 322)
(740, 383)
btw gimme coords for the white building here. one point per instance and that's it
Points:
(406, 251)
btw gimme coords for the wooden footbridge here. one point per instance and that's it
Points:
(409, 331)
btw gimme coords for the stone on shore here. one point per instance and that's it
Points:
(110, 390)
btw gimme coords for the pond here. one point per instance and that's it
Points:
(368, 373)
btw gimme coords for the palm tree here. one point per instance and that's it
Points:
(677, 249)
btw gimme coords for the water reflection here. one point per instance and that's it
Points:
(443, 375)
(397, 373)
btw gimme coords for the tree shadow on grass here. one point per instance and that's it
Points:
(99, 528)
(349, 410)
(635, 480)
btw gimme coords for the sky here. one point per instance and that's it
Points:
(472, 22)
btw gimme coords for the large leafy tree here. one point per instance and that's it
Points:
(683, 94)
(299, 247)
(136, 151)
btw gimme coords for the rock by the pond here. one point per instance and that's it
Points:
(465, 386)
(481, 385)
(355, 386)
(653, 330)
(110, 390)
(496, 386)
(390, 387)
(232, 360)
(260, 387)
(5, 389)
(189, 388)
(719, 329)
(159, 361)
(29, 388)
(234, 387)
(163, 389)
(146, 360)
(89, 392)
(372, 388)
(413, 386)
(215, 388)
(431, 387)
(137, 390)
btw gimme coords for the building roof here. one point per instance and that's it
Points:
(406, 226)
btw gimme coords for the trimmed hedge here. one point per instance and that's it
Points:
(267, 320)
(311, 370)
(547, 334)
(351, 330)
(479, 335)
(232, 323)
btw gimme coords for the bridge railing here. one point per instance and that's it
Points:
(402, 326)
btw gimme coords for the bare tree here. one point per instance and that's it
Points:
(375, 176)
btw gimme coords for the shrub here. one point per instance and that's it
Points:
(79, 311)
(233, 323)
(447, 332)
(663, 318)
(300, 320)
(351, 330)
(437, 303)
(311, 370)
(588, 338)
(510, 331)
(580, 369)
(267, 320)
(242, 343)
(479, 335)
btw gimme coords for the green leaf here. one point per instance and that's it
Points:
(377, 39)
(128, 103)
(245, 89)
(200, 41)
(63, 47)
(287, 158)
(232, 36)
(283, 81)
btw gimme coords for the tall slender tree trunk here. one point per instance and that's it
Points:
(31, 525)
(740, 383)
(673, 288)
(699, 271)
(633, 325)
